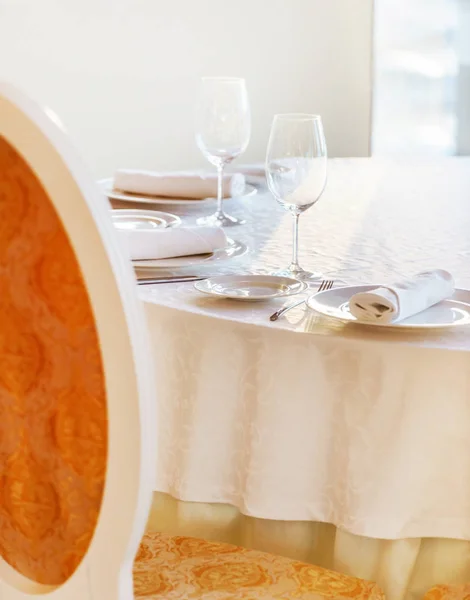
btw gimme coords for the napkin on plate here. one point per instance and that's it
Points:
(188, 186)
(172, 241)
(401, 300)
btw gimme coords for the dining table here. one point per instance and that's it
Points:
(336, 443)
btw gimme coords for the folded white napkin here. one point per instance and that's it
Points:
(172, 241)
(188, 186)
(401, 300)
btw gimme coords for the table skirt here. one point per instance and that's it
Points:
(371, 436)
(405, 569)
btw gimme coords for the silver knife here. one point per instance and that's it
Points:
(178, 279)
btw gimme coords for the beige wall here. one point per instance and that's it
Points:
(122, 74)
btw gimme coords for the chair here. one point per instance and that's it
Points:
(77, 404)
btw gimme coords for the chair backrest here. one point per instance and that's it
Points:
(76, 401)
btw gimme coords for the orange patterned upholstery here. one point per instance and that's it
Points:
(173, 568)
(449, 592)
(53, 419)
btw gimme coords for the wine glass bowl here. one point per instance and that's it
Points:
(296, 171)
(296, 184)
(223, 127)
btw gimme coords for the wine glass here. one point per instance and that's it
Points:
(223, 127)
(296, 167)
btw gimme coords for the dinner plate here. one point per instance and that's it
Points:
(107, 187)
(452, 312)
(250, 288)
(143, 220)
(234, 249)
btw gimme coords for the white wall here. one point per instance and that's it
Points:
(122, 74)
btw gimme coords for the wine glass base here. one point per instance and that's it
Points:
(301, 275)
(220, 220)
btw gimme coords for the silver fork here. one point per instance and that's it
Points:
(326, 284)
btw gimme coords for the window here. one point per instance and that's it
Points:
(417, 83)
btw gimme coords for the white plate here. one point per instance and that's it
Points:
(233, 249)
(138, 220)
(449, 313)
(250, 288)
(107, 187)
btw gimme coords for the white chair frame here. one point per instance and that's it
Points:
(106, 570)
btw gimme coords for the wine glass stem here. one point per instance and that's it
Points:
(294, 266)
(220, 189)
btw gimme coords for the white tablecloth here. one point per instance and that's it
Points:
(304, 419)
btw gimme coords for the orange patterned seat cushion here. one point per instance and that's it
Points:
(449, 592)
(181, 567)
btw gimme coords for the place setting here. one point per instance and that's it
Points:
(179, 188)
(429, 300)
(157, 242)
(222, 133)
(155, 251)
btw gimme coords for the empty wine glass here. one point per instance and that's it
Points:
(296, 166)
(223, 127)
